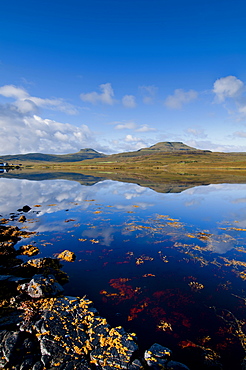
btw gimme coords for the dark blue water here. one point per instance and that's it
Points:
(169, 267)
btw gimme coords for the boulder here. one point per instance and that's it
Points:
(67, 256)
(29, 250)
(157, 356)
(22, 218)
(42, 286)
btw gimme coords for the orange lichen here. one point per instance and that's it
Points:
(67, 256)
(164, 326)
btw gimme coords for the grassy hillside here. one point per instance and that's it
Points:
(88, 153)
(40, 157)
(162, 147)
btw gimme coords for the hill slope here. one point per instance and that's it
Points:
(161, 147)
(167, 146)
(88, 153)
(33, 157)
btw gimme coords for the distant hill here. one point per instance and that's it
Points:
(33, 157)
(162, 147)
(167, 146)
(88, 153)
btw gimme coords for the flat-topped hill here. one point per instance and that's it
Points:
(161, 147)
(167, 146)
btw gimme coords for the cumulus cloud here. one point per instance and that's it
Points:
(133, 126)
(133, 143)
(148, 93)
(26, 103)
(129, 101)
(25, 132)
(145, 128)
(215, 147)
(196, 132)
(126, 125)
(130, 138)
(179, 98)
(228, 87)
(231, 92)
(106, 96)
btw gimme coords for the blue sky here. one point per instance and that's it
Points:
(118, 75)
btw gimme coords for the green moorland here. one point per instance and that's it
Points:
(163, 163)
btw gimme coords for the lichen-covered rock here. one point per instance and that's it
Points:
(136, 365)
(157, 356)
(114, 349)
(9, 236)
(42, 263)
(42, 286)
(69, 330)
(67, 256)
(22, 218)
(60, 331)
(29, 250)
(45, 266)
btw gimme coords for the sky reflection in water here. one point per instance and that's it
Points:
(170, 267)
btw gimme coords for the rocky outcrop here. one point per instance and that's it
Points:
(67, 256)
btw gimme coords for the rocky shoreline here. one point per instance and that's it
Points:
(40, 328)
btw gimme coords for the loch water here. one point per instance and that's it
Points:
(170, 267)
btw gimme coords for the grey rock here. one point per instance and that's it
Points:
(61, 333)
(158, 351)
(42, 286)
(157, 356)
(116, 351)
(135, 365)
(72, 365)
(10, 344)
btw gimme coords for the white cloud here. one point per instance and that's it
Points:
(105, 97)
(133, 126)
(231, 92)
(129, 101)
(22, 133)
(197, 132)
(179, 98)
(215, 147)
(145, 128)
(11, 91)
(148, 93)
(228, 87)
(126, 125)
(240, 134)
(130, 138)
(26, 103)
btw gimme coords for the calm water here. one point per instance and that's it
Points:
(169, 267)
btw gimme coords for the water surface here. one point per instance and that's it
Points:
(170, 267)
